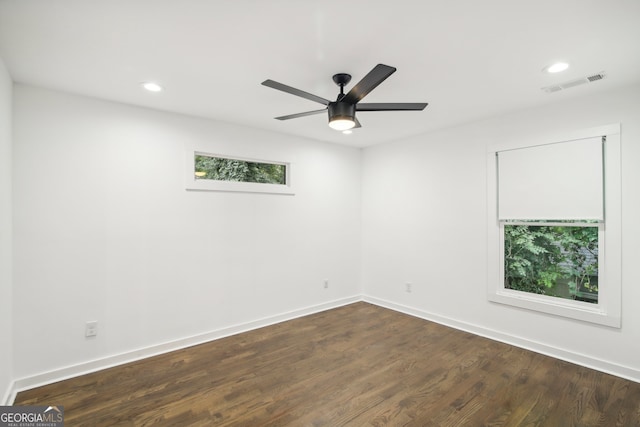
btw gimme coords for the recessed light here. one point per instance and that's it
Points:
(557, 67)
(152, 87)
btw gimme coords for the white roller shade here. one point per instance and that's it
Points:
(562, 181)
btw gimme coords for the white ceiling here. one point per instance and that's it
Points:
(469, 59)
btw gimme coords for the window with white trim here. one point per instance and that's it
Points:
(554, 227)
(215, 172)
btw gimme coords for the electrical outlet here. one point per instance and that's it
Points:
(326, 283)
(91, 329)
(408, 287)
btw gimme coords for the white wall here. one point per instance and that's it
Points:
(105, 230)
(424, 222)
(6, 335)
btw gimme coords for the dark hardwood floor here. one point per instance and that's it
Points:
(358, 365)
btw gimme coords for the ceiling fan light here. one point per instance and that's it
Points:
(341, 123)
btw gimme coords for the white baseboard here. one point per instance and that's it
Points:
(60, 374)
(558, 353)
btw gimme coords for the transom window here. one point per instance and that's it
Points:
(216, 172)
(236, 170)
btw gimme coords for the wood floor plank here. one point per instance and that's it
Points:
(358, 365)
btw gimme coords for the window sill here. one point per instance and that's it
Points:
(588, 312)
(243, 187)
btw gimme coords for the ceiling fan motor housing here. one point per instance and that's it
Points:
(341, 111)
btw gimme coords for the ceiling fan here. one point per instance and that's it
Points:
(342, 111)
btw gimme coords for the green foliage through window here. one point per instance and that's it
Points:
(224, 169)
(560, 261)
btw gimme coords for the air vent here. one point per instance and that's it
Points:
(573, 83)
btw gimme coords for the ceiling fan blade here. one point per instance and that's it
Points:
(369, 82)
(391, 106)
(294, 91)
(307, 113)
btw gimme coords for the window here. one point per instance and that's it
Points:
(555, 259)
(225, 169)
(551, 246)
(215, 172)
